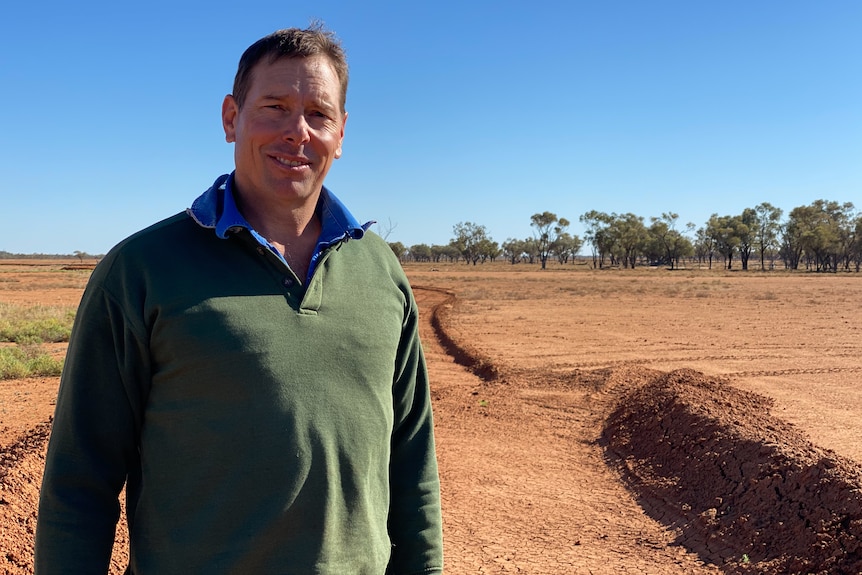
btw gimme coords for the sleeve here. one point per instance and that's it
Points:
(93, 445)
(415, 522)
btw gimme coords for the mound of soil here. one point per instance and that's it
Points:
(73, 267)
(21, 465)
(744, 489)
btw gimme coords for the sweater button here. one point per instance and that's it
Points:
(287, 282)
(260, 250)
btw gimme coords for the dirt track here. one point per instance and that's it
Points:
(615, 468)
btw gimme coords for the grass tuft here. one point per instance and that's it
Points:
(35, 324)
(27, 361)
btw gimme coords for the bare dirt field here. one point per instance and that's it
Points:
(608, 421)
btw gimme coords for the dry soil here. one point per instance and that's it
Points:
(646, 421)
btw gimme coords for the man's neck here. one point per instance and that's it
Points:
(293, 231)
(297, 250)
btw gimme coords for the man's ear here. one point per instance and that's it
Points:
(338, 150)
(229, 112)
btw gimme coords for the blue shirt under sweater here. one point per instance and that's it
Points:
(216, 208)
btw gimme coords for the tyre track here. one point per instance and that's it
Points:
(797, 371)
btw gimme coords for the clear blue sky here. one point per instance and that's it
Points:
(486, 112)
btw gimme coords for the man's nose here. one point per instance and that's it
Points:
(295, 129)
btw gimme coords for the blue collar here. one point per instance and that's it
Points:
(216, 209)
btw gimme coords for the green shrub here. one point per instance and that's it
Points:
(35, 324)
(29, 361)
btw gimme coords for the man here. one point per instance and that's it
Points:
(250, 369)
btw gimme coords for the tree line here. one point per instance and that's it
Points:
(4, 255)
(825, 236)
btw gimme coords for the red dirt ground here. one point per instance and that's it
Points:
(600, 422)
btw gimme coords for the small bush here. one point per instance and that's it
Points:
(29, 361)
(36, 324)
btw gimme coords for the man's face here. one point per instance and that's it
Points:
(287, 133)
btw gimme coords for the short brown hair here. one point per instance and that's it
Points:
(291, 43)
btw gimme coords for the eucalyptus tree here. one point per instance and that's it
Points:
(837, 219)
(791, 234)
(449, 252)
(654, 252)
(531, 249)
(398, 249)
(683, 246)
(847, 238)
(857, 242)
(629, 238)
(488, 250)
(669, 242)
(597, 235)
(815, 233)
(420, 253)
(746, 230)
(468, 240)
(548, 228)
(514, 250)
(768, 228)
(724, 232)
(822, 233)
(565, 247)
(704, 246)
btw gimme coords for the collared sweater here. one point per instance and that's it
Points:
(259, 425)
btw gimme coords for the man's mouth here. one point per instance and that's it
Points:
(290, 163)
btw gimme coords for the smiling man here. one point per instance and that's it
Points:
(250, 369)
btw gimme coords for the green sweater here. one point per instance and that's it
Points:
(259, 426)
